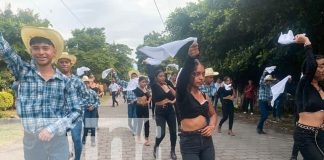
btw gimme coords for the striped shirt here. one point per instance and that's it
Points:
(51, 104)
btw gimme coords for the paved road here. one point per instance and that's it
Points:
(115, 141)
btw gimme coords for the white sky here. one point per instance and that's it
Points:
(125, 21)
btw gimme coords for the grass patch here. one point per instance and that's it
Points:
(10, 133)
(8, 114)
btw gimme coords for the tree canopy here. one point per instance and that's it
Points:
(239, 37)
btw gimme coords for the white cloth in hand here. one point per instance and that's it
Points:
(270, 69)
(278, 88)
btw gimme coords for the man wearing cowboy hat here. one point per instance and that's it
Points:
(65, 63)
(47, 103)
(209, 87)
(130, 96)
(265, 97)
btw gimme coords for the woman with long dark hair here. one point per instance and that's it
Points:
(197, 114)
(163, 97)
(309, 134)
(142, 110)
(227, 93)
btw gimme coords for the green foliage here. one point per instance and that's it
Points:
(6, 100)
(10, 26)
(91, 50)
(239, 37)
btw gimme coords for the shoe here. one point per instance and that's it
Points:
(219, 130)
(231, 133)
(93, 143)
(173, 155)
(260, 131)
(154, 151)
(244, 112)
(147, 142)
(293, 158)
(251, 113)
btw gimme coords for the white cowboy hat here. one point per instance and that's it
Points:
(210, 72)
(68, 56)
(269, 78)
(133, 72)
(29, 32)
(85, 79)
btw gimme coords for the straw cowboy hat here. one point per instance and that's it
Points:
(210, 72)
(133, 72)
(68, 56)
(85, 79)
(269, 78)
(29, 32)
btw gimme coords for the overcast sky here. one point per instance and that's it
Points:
(125, 21)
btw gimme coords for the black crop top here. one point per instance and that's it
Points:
(158, 94)
(307, 97)
(139, 93)
(222, 92)
(188, 106)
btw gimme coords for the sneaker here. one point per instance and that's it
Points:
(93, 143)
(251, 113)
(244, 112)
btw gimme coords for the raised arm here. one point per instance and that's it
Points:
(120, 82)
(185, 76)
(14, 62)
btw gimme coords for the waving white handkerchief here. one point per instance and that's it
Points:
(173, 65)
(270, 69)
(105, 73)
(228, 86)
(152, 61)
(132, 84)
(278, 88)
(166, 50)
(81, 70)
(286, 38)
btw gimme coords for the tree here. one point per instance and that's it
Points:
(10, 26)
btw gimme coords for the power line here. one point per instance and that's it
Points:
(74, 15)
(157, 8)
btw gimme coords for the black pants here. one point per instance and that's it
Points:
(246, 103)
(142, 116)
(228, 112)
(305, 142)
(194, 146)
(114, 95)
(166, 115)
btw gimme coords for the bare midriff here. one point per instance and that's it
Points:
(193, 124)
(314, 119)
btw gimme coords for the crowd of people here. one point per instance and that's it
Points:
(52, 101)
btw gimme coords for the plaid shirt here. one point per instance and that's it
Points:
(209, 90)
(93, 99)
(82, 93)
(130, 95)
(264, 90)
(51, 104)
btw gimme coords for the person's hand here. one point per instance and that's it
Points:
(90, 108)
(193, 50)
(45, 135)
(301, 38)
(208, 131)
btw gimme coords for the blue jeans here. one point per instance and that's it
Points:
(194, 146)
(264, 109)
(76, 137)
(35, 149)
(277, 108)
(132, 123)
